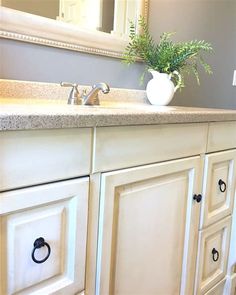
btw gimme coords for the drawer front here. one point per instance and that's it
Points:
(124, 147)
(41, 156)
(213, 255)
(62, 223)
(218, 289)
(219, 139)
(218, 187)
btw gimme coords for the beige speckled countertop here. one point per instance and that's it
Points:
(23, 114)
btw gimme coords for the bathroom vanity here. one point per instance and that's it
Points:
(142, 208)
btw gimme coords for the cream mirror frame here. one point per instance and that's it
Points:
(35, 29)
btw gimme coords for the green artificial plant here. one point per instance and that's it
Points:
(167, 56)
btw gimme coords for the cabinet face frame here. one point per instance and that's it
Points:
(18, 207)
(110, 181)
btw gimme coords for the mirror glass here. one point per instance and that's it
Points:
(110, 16)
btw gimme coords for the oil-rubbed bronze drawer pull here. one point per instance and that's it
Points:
(215, 254)
(39, 243)
(197, 198)
(222, 185)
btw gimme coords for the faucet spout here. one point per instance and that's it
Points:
(92, 97)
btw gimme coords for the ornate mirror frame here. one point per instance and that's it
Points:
(35, 29)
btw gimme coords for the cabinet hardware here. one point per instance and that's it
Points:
(222, 185)
(215, 254)
(39, 243)
(197, 198)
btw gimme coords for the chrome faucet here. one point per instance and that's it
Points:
(92, 97)
(87, 99)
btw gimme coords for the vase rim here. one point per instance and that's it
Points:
(154, 73)
(151, 70)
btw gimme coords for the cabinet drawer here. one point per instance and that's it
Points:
(41, 156)
(217, 289)
(218, 187)
(61, 222)
(213, 255)
(124, 147)
(221, 136)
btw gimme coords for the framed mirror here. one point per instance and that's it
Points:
(92, 26)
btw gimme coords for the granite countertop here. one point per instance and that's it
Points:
(31, 110)
(50, 116)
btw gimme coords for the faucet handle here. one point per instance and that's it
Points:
(68, 84)
(74, 96)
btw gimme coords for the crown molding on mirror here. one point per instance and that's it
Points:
(35, 29)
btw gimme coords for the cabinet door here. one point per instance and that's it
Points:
(213, 255)
(148, 229)
(56, 213)
(218, 187)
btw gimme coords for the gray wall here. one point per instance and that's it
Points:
(24, 61)
(214, 21)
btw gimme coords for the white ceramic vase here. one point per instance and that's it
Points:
(160, 89)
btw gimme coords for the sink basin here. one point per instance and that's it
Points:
(106, 105)
(144, 107)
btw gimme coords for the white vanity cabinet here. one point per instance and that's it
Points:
(148, 229)
(125, 210)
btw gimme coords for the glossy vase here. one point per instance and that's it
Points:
(160, 89)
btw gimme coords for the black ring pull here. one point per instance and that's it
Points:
(197, 198)
(39, 243)
(215, 254)
(222, 185)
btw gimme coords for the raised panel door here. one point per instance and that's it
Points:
(148, 229)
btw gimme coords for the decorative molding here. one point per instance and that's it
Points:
(58, 44)
(25, 27)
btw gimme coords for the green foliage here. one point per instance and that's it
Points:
(167, 56)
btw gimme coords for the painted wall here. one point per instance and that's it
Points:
(24, 61)
(211, 20)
